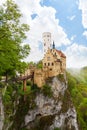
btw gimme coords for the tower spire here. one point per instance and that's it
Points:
(53, 45)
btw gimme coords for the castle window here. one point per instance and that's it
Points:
(44, 64)
(44, 44)
(50, 69)
(48, 64)
(52, 63)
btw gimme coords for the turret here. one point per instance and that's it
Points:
(46, 41)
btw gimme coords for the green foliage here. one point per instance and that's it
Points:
(78, 89)
(23, 129)
(39, 65)
(61, 77)
(12, 34)
(47, 91)
(26, 102)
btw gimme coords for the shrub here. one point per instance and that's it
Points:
(47, 91)
(56, 128)
(29, 83)
(61, 77)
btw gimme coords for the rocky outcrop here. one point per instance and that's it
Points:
(55, 112)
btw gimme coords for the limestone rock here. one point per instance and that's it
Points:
(53, 107)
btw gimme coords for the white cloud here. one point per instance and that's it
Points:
(45, 21)
(85, 34)
(83, 8)
(76, 55)
(2, 1)
(73, 37)
(72, 17)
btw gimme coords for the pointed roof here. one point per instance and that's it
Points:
(53, 45)
(61, 53)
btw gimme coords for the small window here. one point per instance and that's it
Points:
(44, 64)
(52, 64)
(50, 69)
(48, 64)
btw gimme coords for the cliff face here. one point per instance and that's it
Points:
(52, 113)
(37, 111)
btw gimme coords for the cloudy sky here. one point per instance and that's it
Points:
(67, 22)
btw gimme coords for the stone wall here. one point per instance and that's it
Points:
(39, 77)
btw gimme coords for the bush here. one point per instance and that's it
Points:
(47, 91)
(56, 129)
(29, 83)
(61, 77)
(78, 92)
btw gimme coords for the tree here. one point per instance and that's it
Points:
(12, 34)
(39, 64)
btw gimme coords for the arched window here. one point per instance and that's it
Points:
(44, 64)
(52, 64)
(48, 64)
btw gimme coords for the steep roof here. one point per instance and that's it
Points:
(61, 53)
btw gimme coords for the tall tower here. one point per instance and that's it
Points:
(46, 41)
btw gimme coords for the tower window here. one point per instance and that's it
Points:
(44, 64)
(48, 64)
(52, 63)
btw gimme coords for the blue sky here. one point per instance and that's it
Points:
(70, 18)
(67, 22)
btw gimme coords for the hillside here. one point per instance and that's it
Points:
(77, 83)
(49, 108)
(57, 106)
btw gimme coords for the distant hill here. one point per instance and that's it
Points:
(79, 74)
(77, 85)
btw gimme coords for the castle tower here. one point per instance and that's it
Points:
(46, 41)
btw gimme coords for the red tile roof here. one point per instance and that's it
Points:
(61, 53)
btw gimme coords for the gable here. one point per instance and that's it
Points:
(48, 56)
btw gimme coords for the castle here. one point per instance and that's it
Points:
(54, 62)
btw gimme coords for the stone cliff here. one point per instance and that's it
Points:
(55, 112)
(42, 112)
